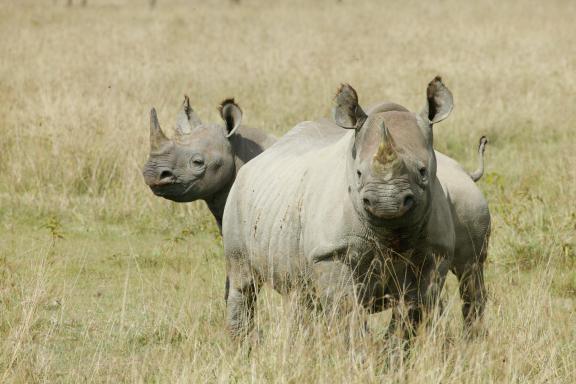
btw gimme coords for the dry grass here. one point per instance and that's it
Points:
(102, 282)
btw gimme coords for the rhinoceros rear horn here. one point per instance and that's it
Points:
(157, 137)
(231, 114)
(187, 119)
(439, 101)
(347, 112)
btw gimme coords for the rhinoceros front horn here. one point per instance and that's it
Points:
(157, 137)
(386, 150)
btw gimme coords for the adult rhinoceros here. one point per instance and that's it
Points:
(359, 210)
(202, 161)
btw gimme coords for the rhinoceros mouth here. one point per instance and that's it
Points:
(392, 221)
(168, 188)
(175, 190)
(163, 182)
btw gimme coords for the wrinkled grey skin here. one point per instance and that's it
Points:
(202, 161)
(369, 215)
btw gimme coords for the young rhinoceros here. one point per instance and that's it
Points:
(361, 212)
(202, 161)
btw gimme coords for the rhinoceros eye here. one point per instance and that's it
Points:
(423, 175)
(422, 171)
(197, 161)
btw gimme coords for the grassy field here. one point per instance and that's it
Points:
(100, 281)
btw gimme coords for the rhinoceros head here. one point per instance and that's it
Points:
(198, 161)
(392, 164)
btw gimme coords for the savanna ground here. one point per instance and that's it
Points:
(100, 281)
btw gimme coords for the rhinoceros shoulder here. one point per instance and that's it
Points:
(307, 136)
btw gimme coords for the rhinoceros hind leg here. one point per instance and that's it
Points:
(473, 290)
(473, 295)
(241, 305)
(471, 253)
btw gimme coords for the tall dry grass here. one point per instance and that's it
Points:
(101, 281)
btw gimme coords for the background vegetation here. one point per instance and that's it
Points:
(100, 281)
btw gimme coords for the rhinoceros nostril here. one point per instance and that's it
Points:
(408, 202)
(166, 174)
(366, 202)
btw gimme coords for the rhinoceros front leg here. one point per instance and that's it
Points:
(406, 316)
(337, 294)
(418, 287)
(431, 284)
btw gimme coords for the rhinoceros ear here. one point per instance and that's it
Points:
(347, 112)
(439, 102)
(232, 115)
(187, 119)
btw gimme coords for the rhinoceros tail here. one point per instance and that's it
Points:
(477, 174)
